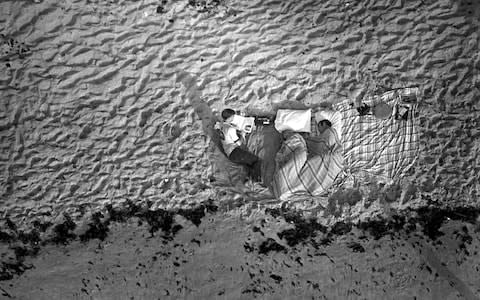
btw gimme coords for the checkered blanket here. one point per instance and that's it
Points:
(366, 146)
(382, 148)
(300, 172)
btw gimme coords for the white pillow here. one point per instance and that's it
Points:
(294, 120)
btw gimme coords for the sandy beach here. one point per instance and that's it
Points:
(103, 145)
(233, 256)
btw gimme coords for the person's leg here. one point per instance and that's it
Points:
(248, 159)
(256, 171)
(271, 142)
(243, 157)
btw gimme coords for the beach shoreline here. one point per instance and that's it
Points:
(104, 142)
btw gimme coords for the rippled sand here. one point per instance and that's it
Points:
(93, 110)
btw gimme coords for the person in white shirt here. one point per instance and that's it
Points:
(234, 146)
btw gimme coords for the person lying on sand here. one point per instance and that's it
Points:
(233, 143)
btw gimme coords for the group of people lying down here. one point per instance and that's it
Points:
(233, 141)
(307, 150)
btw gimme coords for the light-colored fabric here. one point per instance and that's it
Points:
(297, 172)
(231, 139)
(386, 148)
(368, 146)
(293, 120)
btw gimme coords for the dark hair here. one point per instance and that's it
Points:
(327, 122)
(227, 113)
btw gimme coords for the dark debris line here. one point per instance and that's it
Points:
(98, 228)
(428, 219)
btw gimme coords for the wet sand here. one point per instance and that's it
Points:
(258, 256)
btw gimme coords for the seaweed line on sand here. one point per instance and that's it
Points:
(65, 230)
(305, 230)
(427, 219)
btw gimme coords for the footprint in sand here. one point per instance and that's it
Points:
(172, 131)
(175, 131)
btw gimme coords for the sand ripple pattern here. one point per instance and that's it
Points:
(94, 113)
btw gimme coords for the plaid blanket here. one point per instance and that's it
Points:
(382, 148)
(366, 146)
(300, 173)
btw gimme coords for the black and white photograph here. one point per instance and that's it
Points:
(239, 149)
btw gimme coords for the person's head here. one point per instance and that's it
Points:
(287, 134)
(324, 125)
(227, 113)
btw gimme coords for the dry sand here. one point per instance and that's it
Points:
(96, 109)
